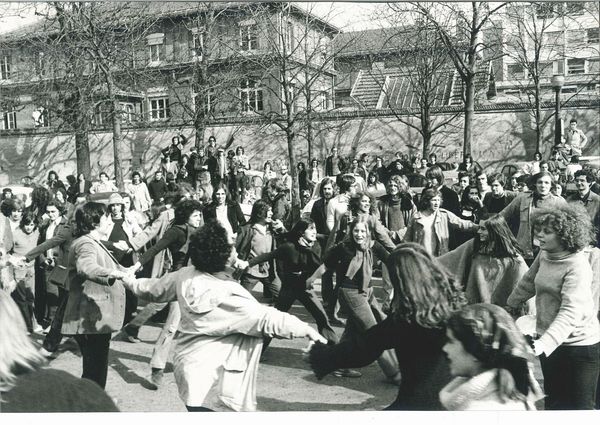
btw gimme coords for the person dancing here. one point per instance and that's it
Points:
(220, 337)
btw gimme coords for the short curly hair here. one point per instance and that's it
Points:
(570, 222)
(210, 248)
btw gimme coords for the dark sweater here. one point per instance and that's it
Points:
(339, 258)
(422, 362)
(50, 390)
(175, 239)
(297, 262)
(157, 190)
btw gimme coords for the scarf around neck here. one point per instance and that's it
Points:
(363, 258)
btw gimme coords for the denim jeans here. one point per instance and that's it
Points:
(364, 312)
(310, 301)
(270, 286)
(132, 328)
(54, 337)
(162, 347)
(571, 377)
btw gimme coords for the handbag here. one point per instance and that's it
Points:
(58, 276)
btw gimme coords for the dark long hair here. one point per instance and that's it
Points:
(87, 218)
(425, 293)
(501, 242)
(299, 229)
(488, 333)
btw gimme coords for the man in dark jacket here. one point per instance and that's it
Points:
(157, 188)
(318, 214)
(450, 200)
(334, 164)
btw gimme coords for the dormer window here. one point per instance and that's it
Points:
(197, 43)
(155, 44)
(248, 35)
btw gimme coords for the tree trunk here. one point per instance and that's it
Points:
(426, 130)
(117, 137)
(538, 119)
(309, 136)
(116, 124)
(82, 152)
(469, 113)
(200, 130)
(295, 195)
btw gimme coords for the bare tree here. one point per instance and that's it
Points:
(460, 27)
(297, 73)
(416, 90)
(534, 40)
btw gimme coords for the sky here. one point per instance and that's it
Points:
(348, 16)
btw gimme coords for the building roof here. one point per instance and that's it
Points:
(380, 40)
(392, 88)
(154, 9)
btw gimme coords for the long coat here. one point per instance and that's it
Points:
(96, 303)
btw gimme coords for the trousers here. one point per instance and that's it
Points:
(571, 377)
(94, 352)
(364, 312)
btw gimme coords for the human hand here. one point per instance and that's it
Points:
(241, 264)
(128, 280)
(315, 336)
(537, 348)
(17, 260)
(122, 246)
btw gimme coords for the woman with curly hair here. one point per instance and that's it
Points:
(396, 207)
(490, 360)
(425, 295)
(489, 265)
(568, 332)
(220, 337)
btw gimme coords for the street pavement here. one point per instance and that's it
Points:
(285, 381)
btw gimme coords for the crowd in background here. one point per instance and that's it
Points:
(453, 256)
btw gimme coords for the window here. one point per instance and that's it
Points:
(569, 89)
(155, 47)
(4, 67)
(251, 96)
(545, 69)
(515, 71)
(593, 35)
(322, 101)
(558, 67)
(40, 64)
(197, 42)
(594, 66)
(248, 37)
(576, 38)
(289, 36)
(128, 111)
(101, 115)
(291, 99)
(9, 119)
(576, 66)
(554, 40)
(512, 92)
(40, 117)
(159, 109)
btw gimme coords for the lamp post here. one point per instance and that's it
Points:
(557, 82)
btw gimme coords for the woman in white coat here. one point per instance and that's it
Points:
(220, 336)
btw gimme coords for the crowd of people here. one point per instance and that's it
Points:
(459, 262)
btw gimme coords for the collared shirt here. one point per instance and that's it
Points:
(50, 234)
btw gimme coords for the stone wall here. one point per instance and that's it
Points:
(498, 138)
